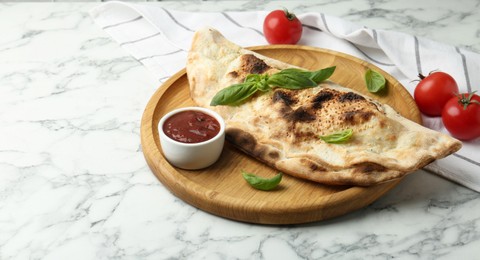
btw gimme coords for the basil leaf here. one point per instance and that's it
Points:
(291, 79)
(338, 138)
(297, 78)
(323, 74)
(253, 78)
(260, 81)
(304, 73)
(234, 94)
(375, 81)
(262, 183)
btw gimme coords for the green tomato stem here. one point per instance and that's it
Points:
(290, 16)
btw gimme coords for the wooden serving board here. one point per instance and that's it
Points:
(220, 188)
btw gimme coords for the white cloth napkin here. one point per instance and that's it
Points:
(160, 39)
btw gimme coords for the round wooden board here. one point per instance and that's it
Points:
(220, 188)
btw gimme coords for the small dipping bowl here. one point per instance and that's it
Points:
(192, 156)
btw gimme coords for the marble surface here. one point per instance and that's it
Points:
(74, 183)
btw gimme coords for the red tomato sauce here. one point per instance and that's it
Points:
(191, 127)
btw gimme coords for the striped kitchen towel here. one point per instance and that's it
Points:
(160, 39)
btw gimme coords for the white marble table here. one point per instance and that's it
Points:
(74, 183)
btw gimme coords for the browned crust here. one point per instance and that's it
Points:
(363, 174)
(302, 116)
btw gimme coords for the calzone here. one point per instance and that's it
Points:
(281, 127)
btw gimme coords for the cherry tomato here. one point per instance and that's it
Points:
(282, 27)
(434, 91)
(461, 116)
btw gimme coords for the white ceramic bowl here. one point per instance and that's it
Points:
(192, 156)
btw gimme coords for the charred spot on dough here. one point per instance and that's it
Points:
(253, 65)
(273, 155)
(321, 98)
(259, 151)
(247, 142)
(233, 74)
(349, 97)
(391, 138)
(241, 138)
(285, 111)
(369, 167)
(382, 123)
(354, 117)
(264, 153)
(282, 96)
(301, 115)
(314, 167)
(303, 136)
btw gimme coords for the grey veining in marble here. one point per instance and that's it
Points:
(74, 183)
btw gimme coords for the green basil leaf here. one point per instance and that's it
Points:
(234, 94)
(323, 74)
(291, 79)
(260, 81)
(338, 138)
(304, 73)
(253, 78)
(375, 81)
(262, 183)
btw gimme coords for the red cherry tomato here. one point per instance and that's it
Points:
(282, 27)
(461, 116)
(434, 91)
